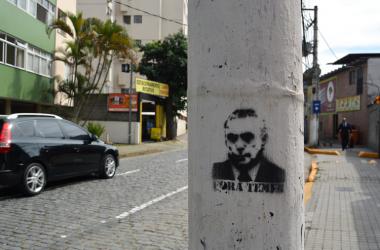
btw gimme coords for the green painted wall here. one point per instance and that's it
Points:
(20, 24)
(22, 85)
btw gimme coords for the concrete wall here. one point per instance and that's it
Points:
(373, 129)
(181, 127)
(118, 131)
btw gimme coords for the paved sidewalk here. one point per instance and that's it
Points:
(344, 211)
(126, 150)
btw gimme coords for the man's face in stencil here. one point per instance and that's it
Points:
(243, 139)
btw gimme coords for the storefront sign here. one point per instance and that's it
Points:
(327, 91)
(152, 88)
(120, 102)
(351, 103)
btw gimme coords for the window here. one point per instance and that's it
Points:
(43, 10)
(11, 54)
(359, 81)
(41, 13)
(74, 132)
(23, 129)
(137, 19)
(48, 129)
(20, 54)
(1, 51)
(127, 19)
(352, 79)
(21, 4)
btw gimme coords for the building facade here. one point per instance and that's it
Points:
(141, 19)
(26, 54)
(348, 92)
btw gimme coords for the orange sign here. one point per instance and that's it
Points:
(120, 102)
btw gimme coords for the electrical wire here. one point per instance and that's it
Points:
(151, 14)
(324, 39)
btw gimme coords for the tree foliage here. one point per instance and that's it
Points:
(89, 52)
(166, 61)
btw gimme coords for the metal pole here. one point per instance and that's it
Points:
(245, 98)
(314, 123)
(130, 107)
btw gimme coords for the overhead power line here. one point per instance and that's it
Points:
(324, 39)
(150, 14)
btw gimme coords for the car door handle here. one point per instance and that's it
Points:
(76, 149)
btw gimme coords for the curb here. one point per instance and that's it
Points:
(314, 151)
(364, 154)
(310, 181)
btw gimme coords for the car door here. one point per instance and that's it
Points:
(59, 154)
(89, 151)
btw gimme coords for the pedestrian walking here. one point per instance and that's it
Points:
(344, 131)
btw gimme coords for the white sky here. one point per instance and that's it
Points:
(349, 26)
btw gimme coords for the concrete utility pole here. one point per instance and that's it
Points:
(245, 125)
(130, 106)
(314, 121)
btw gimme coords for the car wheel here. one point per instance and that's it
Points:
(34, 179)
(108, 169)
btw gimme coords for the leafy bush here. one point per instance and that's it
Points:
(96, 128)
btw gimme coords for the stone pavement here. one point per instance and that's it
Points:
(344, 211)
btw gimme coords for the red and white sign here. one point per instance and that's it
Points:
(120, 102)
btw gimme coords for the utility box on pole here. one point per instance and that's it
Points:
(245, 125)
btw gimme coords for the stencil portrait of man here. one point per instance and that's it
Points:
(245, 139)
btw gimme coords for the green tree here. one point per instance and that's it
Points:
(89, 53)
(166, 61)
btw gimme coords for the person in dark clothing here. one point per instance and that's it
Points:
(344, 132)
(245, 138)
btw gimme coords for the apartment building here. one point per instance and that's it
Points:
(139, 17)
(145, 21)
(26, 54)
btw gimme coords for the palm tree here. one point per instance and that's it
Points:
(89, 53)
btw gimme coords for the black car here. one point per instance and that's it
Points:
(38, 148)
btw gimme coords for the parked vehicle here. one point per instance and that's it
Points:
(38, 148)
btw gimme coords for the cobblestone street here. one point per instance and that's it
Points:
(138, 209)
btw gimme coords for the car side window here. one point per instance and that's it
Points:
(48, 129)
(23, 129)
(74, 132)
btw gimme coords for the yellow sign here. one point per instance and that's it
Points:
(351, 103)
(152, 88)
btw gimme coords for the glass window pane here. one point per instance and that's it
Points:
(23, 129)
(44, 67)
(137, 19)
(127, 19)
(30, 62)
(74, 132)
(41, 13)
(48, 129)
(1, 52)
(32, 8)
(2, 36)
(22, 4)
(20, 58)
(11, 39)
(36, 64)
(11, 54)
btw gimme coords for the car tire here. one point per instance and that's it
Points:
(108, 168)
(34, 179)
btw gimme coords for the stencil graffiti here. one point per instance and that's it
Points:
(246, 168)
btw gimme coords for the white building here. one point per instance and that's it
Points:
(141, 18)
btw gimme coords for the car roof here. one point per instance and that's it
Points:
(34, 115)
